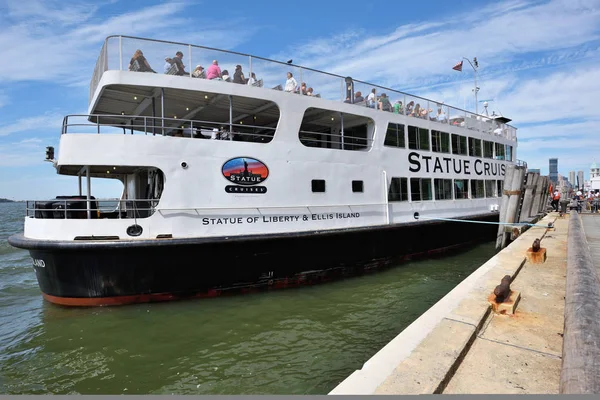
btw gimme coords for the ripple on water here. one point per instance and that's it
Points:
(288, 342)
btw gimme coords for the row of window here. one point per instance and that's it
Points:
(443, 142)
(422, 189)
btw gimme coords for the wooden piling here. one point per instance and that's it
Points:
(528, 197)
(540, 194)
(511, 197)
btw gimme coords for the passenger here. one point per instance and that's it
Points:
(398, 107)
(309, 91)
(238, 75)
(303, 88)
(409, 108)
(358, 97)
(168, 62)
(214, 72)
(417, 111)
(199, 72)
(142, 62)
(252, 80)
(290, 84)
(226, 76)
(441, 116)
(178, 59)
(347, 100)
(371, 98)
(384, 103)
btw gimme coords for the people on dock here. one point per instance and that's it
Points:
(555, 200)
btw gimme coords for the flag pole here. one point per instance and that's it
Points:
(475, 89)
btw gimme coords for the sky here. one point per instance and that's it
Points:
(539, 64)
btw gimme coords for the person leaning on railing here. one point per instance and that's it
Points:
(143, 65)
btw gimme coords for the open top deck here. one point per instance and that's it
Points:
(261, 73)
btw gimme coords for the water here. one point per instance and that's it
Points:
(296, 341)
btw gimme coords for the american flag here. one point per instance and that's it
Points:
(458, 66)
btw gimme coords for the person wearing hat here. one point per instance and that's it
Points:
(199, 72)
(238, 75)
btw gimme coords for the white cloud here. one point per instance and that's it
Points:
(66, 51)
(47, 121)
(27, 152)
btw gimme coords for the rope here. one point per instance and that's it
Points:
(550, 225)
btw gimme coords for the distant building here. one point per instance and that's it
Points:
(534, 170)
(572, 177)
(594, 170)
(553, 170)
(580, 181)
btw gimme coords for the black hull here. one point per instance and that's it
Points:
(109, 273)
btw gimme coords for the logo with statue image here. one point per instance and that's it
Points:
(245, 173)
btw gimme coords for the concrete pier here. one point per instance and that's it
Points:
(460, 345)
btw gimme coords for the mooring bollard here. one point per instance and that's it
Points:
(504, 300)
(536, 254)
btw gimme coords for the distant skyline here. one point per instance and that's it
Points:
(539, 64)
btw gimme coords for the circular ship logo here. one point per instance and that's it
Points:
(245, 171)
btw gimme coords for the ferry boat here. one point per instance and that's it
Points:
(252, 182)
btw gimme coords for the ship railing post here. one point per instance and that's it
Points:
(89, 192)
(190, 59)
(162, 106)
(120, 53)
(342, 128)
(145, 126)
(250, 64)
(230, 117)
(79, 178)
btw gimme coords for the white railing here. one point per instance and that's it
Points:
(128, 124)
(117, 52)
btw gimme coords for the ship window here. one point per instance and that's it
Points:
(459, 145)
(318, 185)
(509, 153)
(461, 190)
(420, 189)
(474, 147)
(398, 190)
(490, 188)
(334, 130)
(477, 189)
(500, 186)
(418, 138)
(499, 151)
(440, 142)
(395, 136)
(488, 149)
(357, 186)
(443, 189)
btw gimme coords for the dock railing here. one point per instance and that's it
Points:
(117, 52)
(580, 372)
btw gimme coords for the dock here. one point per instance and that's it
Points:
(544, 338)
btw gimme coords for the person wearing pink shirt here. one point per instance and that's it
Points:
(214, 72)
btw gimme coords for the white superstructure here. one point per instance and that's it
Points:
(313, 163)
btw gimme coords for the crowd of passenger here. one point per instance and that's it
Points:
(174, 66)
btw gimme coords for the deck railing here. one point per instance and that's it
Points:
(117, 52)
(128, 124)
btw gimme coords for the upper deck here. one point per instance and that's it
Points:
(117, 52)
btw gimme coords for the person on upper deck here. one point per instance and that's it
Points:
(384, 103)
(214, 71)
(358, 97)
(238, 75)
(372, 98)
(178, 60)
(143, 65)
(252, 80)
(303, 88)
(309, 92)
(409, 107)
(398, 107)
(290, 84)
(199, 72)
